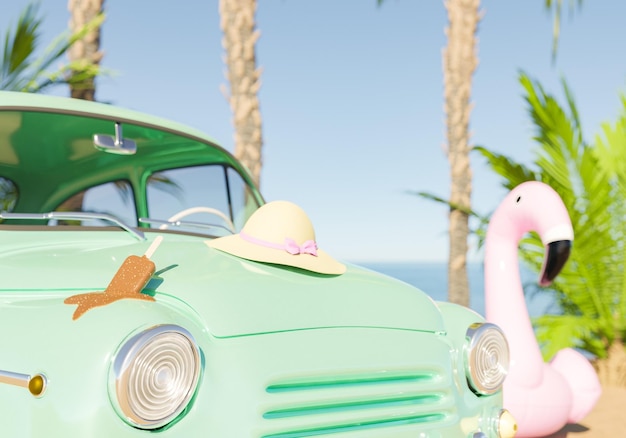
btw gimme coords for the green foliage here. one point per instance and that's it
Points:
(502, 165)
(555, 6)
(21, 70)
(591, 180)
(483, 221)
(8, 194)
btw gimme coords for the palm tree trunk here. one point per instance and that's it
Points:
(240, 37)
(612, 369)
(83, 11)
(459, 62)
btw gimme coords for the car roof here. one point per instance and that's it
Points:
(16, 101)
(47, 147)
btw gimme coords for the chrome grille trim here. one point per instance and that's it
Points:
(343, 381)
(325, 405)
(357, 426)
(357, 404)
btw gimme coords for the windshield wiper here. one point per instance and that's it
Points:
(164, 224)
(74, 215)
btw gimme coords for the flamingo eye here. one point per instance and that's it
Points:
(519, 198)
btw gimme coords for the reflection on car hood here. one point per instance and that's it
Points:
(232, 296)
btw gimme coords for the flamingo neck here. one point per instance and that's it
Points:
(505, 306)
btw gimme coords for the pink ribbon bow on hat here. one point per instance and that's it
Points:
(308, 247)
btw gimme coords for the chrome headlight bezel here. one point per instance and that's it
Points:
(486, 358)
(154, 375)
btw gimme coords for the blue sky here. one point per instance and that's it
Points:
(352, 99)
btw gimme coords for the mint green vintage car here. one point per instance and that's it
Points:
(124, 313)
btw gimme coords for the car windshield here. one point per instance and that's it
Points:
(97, 165)
(191, 196)
(212, 199)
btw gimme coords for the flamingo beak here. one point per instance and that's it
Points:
(556, 255)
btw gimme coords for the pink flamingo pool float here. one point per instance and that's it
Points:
(543, 397)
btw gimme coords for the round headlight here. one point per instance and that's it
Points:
(154, 375)
(487, 357)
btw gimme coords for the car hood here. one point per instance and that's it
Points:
(231, 296)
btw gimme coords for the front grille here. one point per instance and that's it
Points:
(345, 402)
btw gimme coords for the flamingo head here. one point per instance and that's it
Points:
(535, 206)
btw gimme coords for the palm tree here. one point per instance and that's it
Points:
(591, 180)
(87, 49)
(459, 63)
(240, 37)
(22, 71)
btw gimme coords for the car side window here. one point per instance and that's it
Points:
(114, 198)
(212, 195)
(243, 201)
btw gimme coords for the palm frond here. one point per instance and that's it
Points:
(555, 7)
(22, 71)
(161, 182)
(450, 204)
(61, 44)
(513, 173)
(591, 289)
(19, 47)
(561, 331)
(478, 230)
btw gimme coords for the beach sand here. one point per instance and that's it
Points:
(607, 420)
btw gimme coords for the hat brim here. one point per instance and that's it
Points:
(235, 245)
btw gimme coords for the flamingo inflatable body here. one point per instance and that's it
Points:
(543, 397)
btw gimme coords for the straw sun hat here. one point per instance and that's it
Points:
(279, 232)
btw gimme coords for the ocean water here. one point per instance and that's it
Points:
(432, 278)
